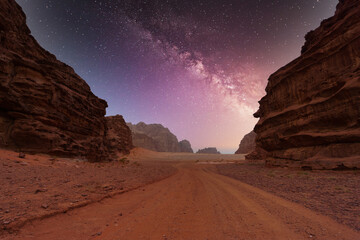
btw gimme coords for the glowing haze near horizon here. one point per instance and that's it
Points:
(198, 67)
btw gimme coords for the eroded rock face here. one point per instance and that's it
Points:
(310, 116)
(144, 141)
(163, 139)
(44, 105)
(247, 144)
(209, 150)
(118, 135)
(185, 146)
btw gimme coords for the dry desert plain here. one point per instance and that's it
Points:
(150, 195)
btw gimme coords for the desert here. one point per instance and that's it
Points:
(121, 120)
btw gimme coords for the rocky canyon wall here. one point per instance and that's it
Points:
(44, 105)
(310, 116)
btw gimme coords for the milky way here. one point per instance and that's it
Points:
(196, 66)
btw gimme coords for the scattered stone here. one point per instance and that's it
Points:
(40, 190)
(21, 155)
(120, 214)
(44, 206)
(97, 234)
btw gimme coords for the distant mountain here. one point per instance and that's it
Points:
(185, 146)
(157, 138)
(209, 150)
(247, 144)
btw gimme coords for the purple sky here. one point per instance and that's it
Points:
(198, 67)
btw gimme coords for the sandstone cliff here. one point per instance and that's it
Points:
(310, 116)
(118, 135)
(247, 144)
(44, 105)
(209, 150)
(185, 146)
(144, 141)
(157, 138)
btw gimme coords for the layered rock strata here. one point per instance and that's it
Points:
(118, 135)
(45, 107)
(310, 116)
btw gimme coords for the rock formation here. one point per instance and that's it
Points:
(185, 146)
(118, 135)
(144, 141)
(154, 137)
(157, 138)
(209, 150)
(44, 105)
(247, 144)
(310, 116)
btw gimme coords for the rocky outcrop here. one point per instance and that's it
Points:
(144, 141)
(209, 150)
(44, 105)
(310, 116)
(162, 139)
(185, 146)
(247, 144)
(118, 135)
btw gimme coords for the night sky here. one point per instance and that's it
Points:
(198, 67)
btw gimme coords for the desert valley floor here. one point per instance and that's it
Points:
(173, 196)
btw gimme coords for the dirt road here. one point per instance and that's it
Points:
(195, 203)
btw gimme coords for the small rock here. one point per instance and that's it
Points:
(40, 190)
(97, 234)
(21, 155)
(120, 214)
(24, 164)
(44, 206)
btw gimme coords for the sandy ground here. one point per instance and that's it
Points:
(142, 155)
(40, 185)
(332, 193)
(193, 202)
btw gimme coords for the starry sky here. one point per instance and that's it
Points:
(199, 67)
